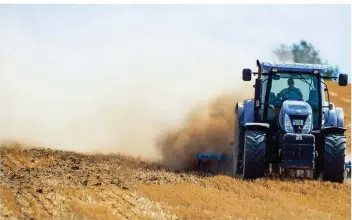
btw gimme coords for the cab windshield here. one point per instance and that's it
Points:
(292, 86)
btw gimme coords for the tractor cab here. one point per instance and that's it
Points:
(295, 90)
(300, 88)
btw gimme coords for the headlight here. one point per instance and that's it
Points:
(308, 125)
(288, 124)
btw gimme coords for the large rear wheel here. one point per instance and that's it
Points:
(254, 154)
(334, 158)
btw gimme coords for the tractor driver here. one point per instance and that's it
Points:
(291, 92)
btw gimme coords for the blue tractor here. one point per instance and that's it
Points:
(290, 128)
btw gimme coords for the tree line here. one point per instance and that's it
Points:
(303, 52)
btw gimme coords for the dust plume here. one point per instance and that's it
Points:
(207, 128)
(103, 110)
(81, 85)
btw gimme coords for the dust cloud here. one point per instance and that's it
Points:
(83, 86)
(134, 116)
(207, 128)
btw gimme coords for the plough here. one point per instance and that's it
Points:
(222, 164)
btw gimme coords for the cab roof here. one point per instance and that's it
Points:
(293, 67)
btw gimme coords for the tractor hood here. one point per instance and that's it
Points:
(296, 108)
(296, 117)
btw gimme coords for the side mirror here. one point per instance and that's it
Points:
(246, 75)
(343, 78)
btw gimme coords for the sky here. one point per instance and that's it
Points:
(80, 29)
(64, 68)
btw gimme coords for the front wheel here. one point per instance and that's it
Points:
(254, 154)
(334, 158)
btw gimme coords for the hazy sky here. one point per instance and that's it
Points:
(55, 30)
(168, 42)
(59, 63)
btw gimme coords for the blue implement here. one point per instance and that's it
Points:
(215, 163)
(212, 156)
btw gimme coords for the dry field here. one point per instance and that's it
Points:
(41, 183)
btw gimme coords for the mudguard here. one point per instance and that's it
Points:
(239, 113)
(245, 111)
(340, 117)
(333, 130)
(257, 126)
(334, 117)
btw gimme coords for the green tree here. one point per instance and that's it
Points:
(303, 52)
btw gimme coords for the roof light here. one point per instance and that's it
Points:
(315, 71)
(274, 69)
